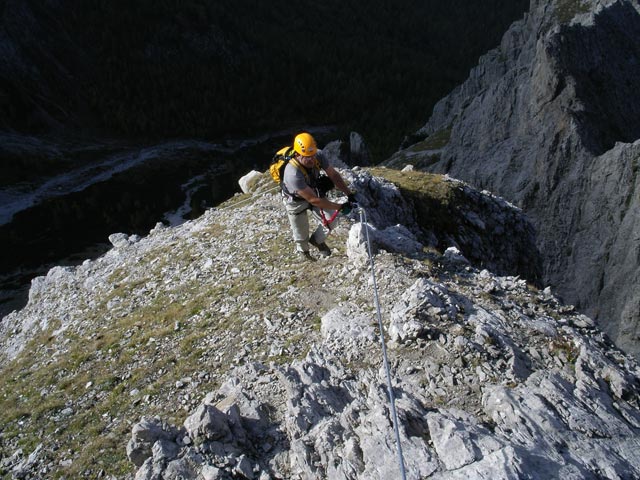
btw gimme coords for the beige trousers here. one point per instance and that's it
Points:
(299, 221)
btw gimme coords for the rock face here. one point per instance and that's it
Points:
(475, 399)
(490, 232)
(550, 120)
(353, 152)
(208, 351)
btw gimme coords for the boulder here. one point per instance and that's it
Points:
(249, 181)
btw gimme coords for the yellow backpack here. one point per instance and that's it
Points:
(280, 161)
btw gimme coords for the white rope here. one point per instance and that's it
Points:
(392, 401)
(246, 200)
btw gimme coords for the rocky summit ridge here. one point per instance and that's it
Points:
(208, 351)
(550, 120)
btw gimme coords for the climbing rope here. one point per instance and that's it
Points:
(246, 200)
(392, 400)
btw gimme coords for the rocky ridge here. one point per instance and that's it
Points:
(549, 120)
(205, 351)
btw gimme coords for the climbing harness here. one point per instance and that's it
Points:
(392, 401)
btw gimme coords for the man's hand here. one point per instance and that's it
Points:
(310, 196)
(352, 197)
(348, 207)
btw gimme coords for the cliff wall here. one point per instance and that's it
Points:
(550, 120)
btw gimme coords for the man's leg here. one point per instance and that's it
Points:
(299, 221)
(320, 234)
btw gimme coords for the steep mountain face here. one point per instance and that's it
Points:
(208, 351)
(550, 120)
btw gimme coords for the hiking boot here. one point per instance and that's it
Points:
(306, 256)
(323, 248)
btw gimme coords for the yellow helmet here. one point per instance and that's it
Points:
(305, 145)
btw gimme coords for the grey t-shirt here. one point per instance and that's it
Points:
(294, 179)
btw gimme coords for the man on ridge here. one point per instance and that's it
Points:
(304, 188)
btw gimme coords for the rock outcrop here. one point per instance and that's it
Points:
(550, 120)
(474, 399)
(207, 351)
(490, 232)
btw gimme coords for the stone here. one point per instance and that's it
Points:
(208, 423)
(392, 239)
(144, 435)
(119, 240)
(164, 450)
(338, 324)
(451, 441)
(179, 469)
(419, 308)
(244, 468)
(453, 254)
(249, 181)
(359, 153)
(209, 472)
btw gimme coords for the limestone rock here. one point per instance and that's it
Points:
(550, 120)
(421, 307)
(472, 401)
(392, 239)
(359, 151)
(348, 154)
(278, 369)
(119, 240)
(144, 436)
(208, 423)
(249, 181)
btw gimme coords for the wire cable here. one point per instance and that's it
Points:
(247, 200)
(392, 400)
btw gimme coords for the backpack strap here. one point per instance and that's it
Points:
(294, 163)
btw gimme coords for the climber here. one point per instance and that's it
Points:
(304, 188)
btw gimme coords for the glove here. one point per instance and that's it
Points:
(352, 197)
(345, 209)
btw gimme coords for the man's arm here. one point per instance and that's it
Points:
(337, 180)
(309, 195)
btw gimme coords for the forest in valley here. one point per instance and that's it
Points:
(204, 69)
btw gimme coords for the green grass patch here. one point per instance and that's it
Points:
(434, 198)
(565, 349)
(435, 141)
(419, 184)
(567, 9)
